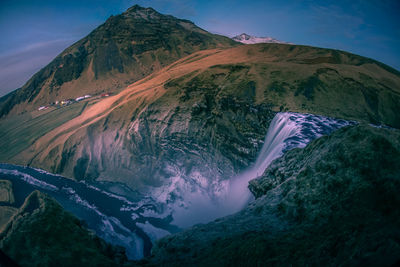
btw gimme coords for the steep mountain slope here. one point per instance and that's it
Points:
(248, 39)
(41, 233)
(124, 49)
(333, 203)
(204, 118)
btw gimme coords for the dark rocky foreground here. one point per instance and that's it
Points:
(42, 233)
(332, 203)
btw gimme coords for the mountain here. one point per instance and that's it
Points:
(124, 49)
(204, 117)
(332, 203)
(42, 233)
(200, 117)
(248, 39)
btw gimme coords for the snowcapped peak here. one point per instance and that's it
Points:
(243, 36)
(248, 39)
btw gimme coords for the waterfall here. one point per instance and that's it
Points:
(279, 130)
(286, 131)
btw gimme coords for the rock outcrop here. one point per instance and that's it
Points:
(42, 233)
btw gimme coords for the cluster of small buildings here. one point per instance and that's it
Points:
(82, 97)
(70, 101)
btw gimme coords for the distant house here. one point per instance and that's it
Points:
(87, 96)
(105, 95)
(80, 98)
(43, 108)
(67, 102)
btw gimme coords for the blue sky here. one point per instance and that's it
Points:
(34, 32)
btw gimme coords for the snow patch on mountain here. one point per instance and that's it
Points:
(248, 39)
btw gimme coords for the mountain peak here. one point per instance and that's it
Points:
(244, 36)
(136, 8)
(248, 39)
(139, 12)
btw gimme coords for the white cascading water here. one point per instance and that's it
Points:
(280, 129)
(286, 131)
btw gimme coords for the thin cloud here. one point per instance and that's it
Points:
(334, 21)
(16, 67)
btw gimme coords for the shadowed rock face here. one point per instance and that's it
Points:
(41, 233)
(124, 49)
(334, 202)
(199, 127)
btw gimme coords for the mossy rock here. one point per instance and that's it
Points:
(42, 233)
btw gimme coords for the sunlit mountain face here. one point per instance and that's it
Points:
(154, 142)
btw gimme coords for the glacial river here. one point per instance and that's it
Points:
(133, 225)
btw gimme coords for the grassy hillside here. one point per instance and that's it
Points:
(333, 203)
(41, 233)
(19, 132)
(208, 113)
